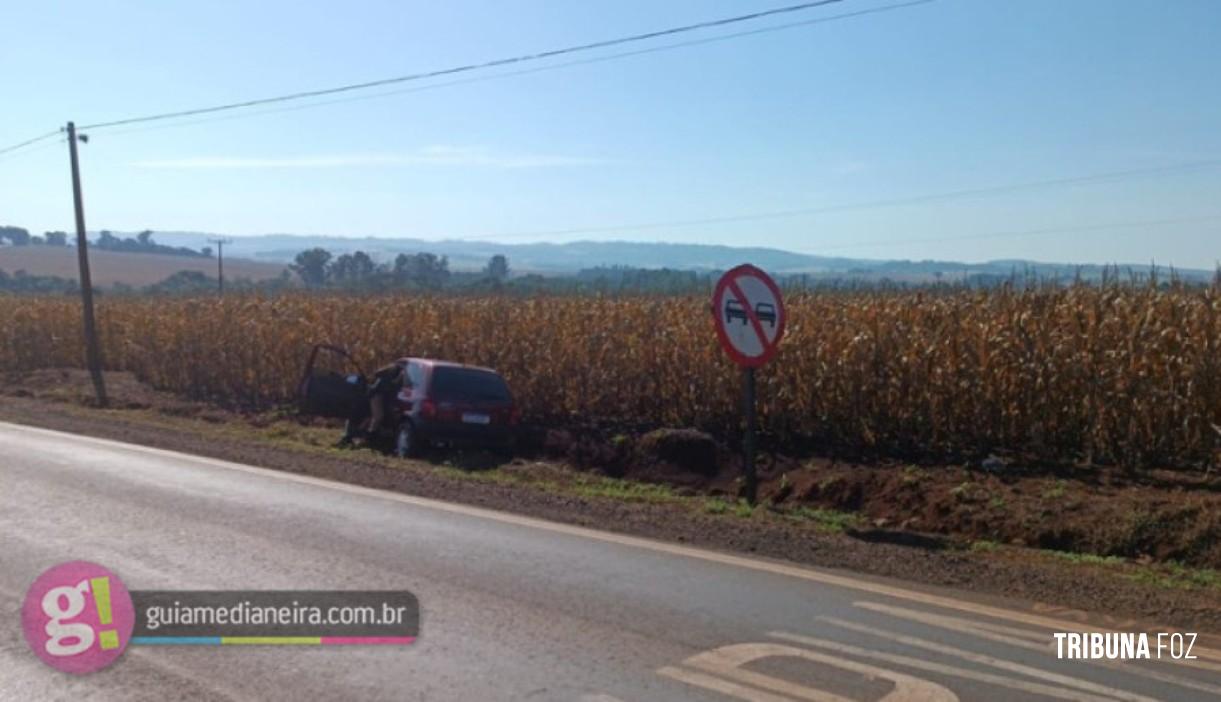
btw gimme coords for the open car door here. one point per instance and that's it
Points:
(332, 384)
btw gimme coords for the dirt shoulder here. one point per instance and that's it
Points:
(1053, 582)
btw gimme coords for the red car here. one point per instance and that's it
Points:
(441, 403)
(452, 404)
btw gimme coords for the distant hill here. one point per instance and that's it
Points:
(540, 258)
(135, 269)
(567, 258)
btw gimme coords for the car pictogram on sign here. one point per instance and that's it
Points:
(766, 312)
(734, 309)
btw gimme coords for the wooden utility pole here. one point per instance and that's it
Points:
(93, 351)
(220, 264)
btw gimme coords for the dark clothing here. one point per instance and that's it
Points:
(387, 381)
(382, 389)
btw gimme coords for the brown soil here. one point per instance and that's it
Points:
(1159, 515)
(1164, 516)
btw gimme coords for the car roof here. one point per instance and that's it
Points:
(438, 363)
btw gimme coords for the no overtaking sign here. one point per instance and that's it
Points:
(749, 315)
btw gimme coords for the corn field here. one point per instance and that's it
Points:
(1125, 375)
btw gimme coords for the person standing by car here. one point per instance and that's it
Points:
(383, 387)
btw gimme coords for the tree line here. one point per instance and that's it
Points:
(17, 236)
(318, 268)
(106, 241)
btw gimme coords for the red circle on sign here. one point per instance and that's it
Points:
(728, 282)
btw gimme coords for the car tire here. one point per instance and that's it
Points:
(407, 444)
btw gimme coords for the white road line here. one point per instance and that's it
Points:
(982, 659)
(725, 687)
(1031, 688)
(730, 661)
(992, 632)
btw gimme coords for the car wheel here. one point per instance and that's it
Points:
(406, 443)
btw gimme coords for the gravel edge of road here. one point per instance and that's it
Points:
(1049, 587)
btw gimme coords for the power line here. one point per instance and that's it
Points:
(491, 64)
(28, 142)
(15, 154)
(1027, 232)
(468, 67)
(873, 204)
(538, 69)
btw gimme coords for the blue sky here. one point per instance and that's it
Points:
(946, 96)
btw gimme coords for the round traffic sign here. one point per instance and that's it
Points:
(749, 314)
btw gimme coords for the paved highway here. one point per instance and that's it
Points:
(512, 608)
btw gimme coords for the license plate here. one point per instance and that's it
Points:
(472, 418)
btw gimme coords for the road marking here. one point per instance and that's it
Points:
(1033, 640)
(1065, 680)
(1032, 688)
(709, 682)
(774, 567)
(728, 662)
(990, 632)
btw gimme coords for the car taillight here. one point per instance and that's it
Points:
(428, 410)
(514, 415)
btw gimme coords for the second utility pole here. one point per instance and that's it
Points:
(93, 351)
(220, 264)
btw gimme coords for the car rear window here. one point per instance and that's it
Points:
(467, 385)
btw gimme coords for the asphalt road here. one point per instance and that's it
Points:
(512, 608)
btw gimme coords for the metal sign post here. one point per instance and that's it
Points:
(749, 314)
(748, 441)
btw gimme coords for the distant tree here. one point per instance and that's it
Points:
(16, 235)
(352, 269)
(141, 243)
(340, 270)
(56, 238)
(424, 270)
(108, 241)
(311, 266)
(184, 282)
(362, 265)
(22, 282)
(37, 241)
(206, 251)
(497, 268)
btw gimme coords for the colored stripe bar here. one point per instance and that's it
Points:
(273, 640)
(367, 640)
(177, 640)
(270, 640)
